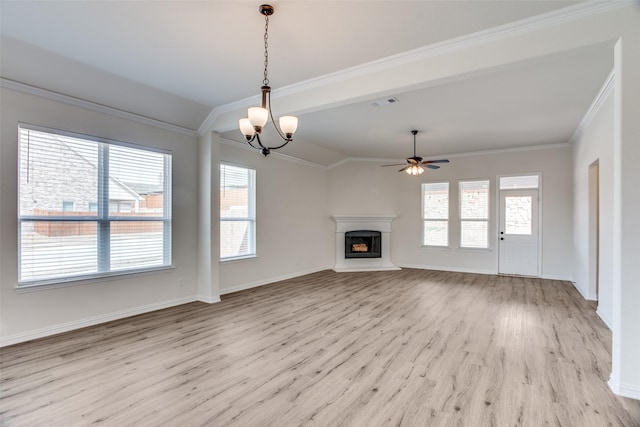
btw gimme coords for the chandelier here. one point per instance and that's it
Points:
(251, 126)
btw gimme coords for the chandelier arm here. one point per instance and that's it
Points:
(277, 128)
(286, 141)
(259, 143)
(253, 138)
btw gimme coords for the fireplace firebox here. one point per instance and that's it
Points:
(362, 244)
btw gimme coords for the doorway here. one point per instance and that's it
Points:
(519, 226)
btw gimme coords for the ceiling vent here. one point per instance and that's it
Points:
(384, 101)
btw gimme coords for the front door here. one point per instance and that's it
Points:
(518, 232)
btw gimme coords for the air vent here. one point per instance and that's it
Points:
(384, 101)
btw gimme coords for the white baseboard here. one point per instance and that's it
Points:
(588, 297)
(561, 278)
(604, 318)
(361, 269)
(452, 269)
(580, 291)
(90, 321)
(208, 299)
(477, 271)
(263, 282)
(625, 390)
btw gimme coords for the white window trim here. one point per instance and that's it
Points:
(486, 220)
(251, 218)
(102, 273)
(425, 219)
(513, 175)
(88, 279)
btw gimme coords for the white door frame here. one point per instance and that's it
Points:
(594, 230)
(540, 218)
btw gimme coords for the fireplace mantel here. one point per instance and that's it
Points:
(380, 223)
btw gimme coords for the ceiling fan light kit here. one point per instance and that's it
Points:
(414, 170)
(415, 163)
(251, 126)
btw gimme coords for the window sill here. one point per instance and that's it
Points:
(458, 248)
(238, 259)
(474, 249)
(42, 285)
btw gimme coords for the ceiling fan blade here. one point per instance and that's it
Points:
(412, 161)
(403, 169)
(395, 164)
(432, 166)
(435, 161)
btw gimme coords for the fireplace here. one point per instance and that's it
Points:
(362, 244)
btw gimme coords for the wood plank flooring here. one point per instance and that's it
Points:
(398, 348)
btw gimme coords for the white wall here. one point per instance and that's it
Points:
(35, 312)
(365, 187)
(208, 218)
(294, 234)
(625, 351)
(26, 315)
(595, 143)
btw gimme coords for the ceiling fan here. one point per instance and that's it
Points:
(415, 163)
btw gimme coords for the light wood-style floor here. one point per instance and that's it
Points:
(410, 348)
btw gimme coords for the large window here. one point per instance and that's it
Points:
(90, 207)
(474, 214)
(237, 212)
(435, 214)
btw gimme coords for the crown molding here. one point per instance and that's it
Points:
(501, 32)
(244, 146)
(454, 155)
(494, 34)
(88, 105)
(508, 150)
(293, 159)
(598, 101)
(208, 123)
(363, 159)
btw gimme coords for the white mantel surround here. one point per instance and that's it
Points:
(381, 223)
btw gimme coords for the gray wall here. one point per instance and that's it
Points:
(26, 315)
(294, 234)
(365, 187)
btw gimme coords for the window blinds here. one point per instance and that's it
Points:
(237, 212)
(474, 214)
(90, 207)
(435, 213)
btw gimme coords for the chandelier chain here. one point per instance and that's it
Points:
(265, 81)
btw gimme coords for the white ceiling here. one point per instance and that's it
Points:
(176, 61)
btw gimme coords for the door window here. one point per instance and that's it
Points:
(517, 211)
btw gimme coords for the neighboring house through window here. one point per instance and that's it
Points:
(67, 186)
(474, 214)
(237, 212)
(435, 214)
